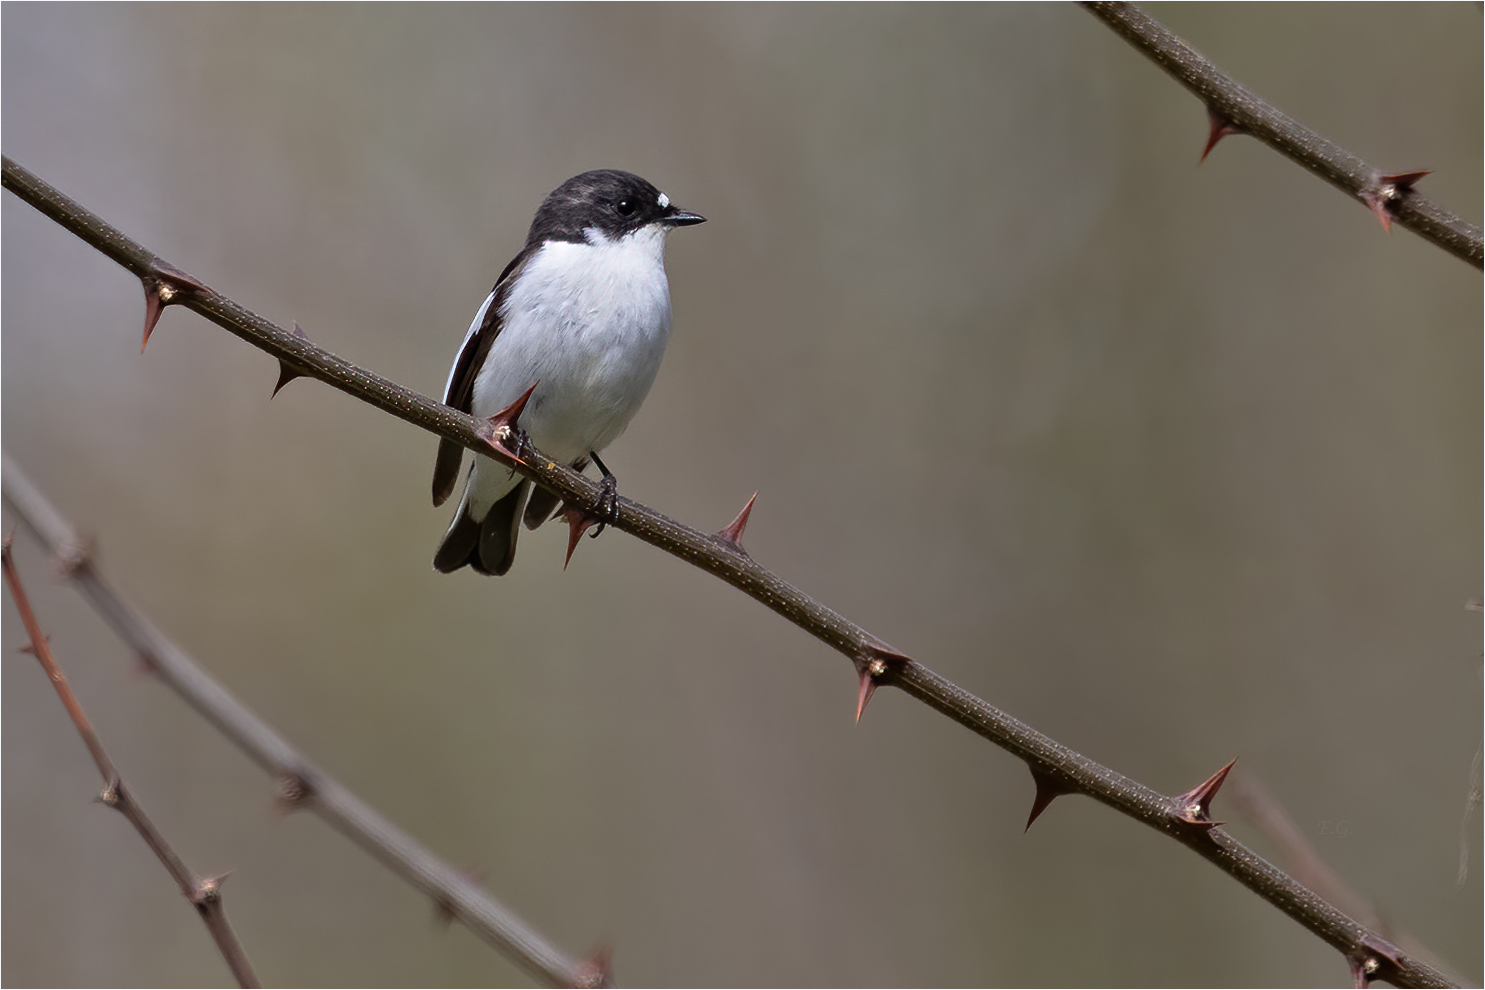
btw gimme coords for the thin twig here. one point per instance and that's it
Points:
(204, 893)
(1055, 768)
(301, 784)
(1231, 102)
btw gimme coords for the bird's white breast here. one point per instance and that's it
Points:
(589, 322)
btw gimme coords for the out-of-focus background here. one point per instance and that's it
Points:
(1176, 464)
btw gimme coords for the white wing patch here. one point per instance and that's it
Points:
(479, 319)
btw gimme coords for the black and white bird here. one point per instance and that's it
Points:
(583, 313)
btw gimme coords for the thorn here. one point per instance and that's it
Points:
(208, 890)
(1386, 189)
(1195, 806)
(30, 649)
(163, 288)
(443, 910)
(148, 664)
(291, 791)
(876, 661)
(732, 533)
(1367, 963)
(868, 673)
(73, 557)
(287, 372)
(153, 304)
(1221, 127)
(877, 650)
(1047, 791)
(145, 665)
(504, 425)
(597, 970)
(578, 522)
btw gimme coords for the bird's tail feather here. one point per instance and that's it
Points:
(543, 503)
(488, 545)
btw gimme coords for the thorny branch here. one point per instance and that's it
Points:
(204, 893)
(1235, 109)
(301, 784)
(1055, 768)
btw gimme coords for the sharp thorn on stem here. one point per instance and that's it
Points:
(732, 533)
(287, 372)
(1047, 791)
(1195, 806)
(1221, 126)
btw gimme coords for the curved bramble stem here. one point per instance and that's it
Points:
(1235, 109)
(1055, 767)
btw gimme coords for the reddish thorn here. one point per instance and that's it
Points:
(1047, 791)
(1195, 806)
(1405, 181)
(597, 970)
(1387, 189)
(578, 523)
(876, 661)
(152, 308)
(1376, 201)
(162, 288)
(1221, 127)
(875, 649)
(1370, 960)
(868, 684)
(30, 649)
(504, 423)
(732, 533)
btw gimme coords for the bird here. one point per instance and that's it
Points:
(582, 313)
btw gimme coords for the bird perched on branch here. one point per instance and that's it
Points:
(583, 314)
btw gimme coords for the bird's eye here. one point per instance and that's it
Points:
(625, 207)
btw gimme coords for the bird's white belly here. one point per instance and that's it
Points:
(588, 323)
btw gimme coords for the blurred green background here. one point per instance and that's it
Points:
(1177, 464)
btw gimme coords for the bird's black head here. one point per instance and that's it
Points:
(614, 203)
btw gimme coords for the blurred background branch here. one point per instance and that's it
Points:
(203, 893)
(301, 784)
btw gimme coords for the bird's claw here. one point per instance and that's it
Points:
(608, 504)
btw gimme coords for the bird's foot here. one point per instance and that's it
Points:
(608, 504)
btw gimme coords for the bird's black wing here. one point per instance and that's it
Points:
(459, 390)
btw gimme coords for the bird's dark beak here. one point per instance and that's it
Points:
(675, 217)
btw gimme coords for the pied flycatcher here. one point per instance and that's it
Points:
(583, 312)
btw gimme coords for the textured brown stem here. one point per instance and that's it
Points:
(1229, 100)
(1049, 761)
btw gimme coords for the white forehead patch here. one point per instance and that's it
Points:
(664, 201)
